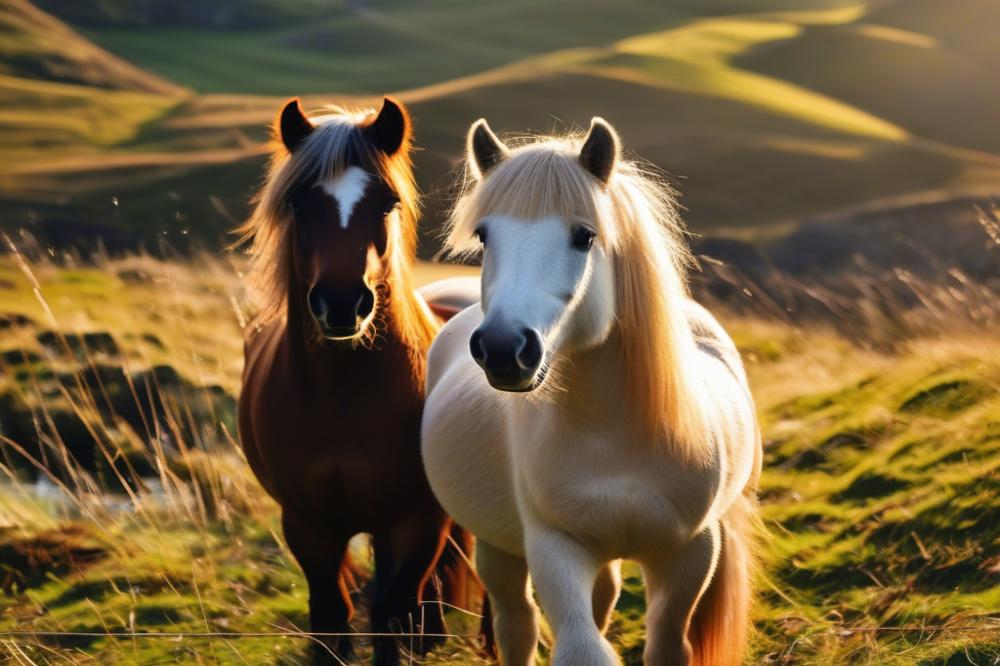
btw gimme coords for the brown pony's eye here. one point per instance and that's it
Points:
(391, 205)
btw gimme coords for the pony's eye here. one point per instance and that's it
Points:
(583, 238)
(392, 205)
(481, 234)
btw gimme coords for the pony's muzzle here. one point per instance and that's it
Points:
(340, 313)
(510, 359)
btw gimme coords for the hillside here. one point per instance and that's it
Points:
(35, 45)
(925, 66)
(747, 105)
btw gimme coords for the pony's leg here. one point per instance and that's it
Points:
(405, 556)
(515, 618)
(321, 554)
(606, 590)
(673, 588)
(564, 572)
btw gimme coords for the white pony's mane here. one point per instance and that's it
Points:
(637, 218)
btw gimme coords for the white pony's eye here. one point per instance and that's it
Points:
(583, 238)
(480, 233)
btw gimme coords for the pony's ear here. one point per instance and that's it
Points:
(293, 125)
(390, 130)
(599, 153)
(484, 148)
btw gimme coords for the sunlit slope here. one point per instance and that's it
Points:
(926, 66)
(34, 44)
(752, 151)
(377, 47)
(771, 168)
(372, 46)
(60, 95)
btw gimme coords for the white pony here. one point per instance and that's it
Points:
(600, 415)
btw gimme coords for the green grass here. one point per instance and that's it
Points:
(880, 494)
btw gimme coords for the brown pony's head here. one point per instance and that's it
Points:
(336, 216)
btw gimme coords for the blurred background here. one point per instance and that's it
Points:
(837, 162)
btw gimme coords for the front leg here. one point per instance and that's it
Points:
(564, 571)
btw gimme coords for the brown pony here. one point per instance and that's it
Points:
(333, 393)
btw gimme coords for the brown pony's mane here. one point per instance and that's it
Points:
(337, 138)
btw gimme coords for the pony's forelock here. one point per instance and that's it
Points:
(637, 219)
(338, 137)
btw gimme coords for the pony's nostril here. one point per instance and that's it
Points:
(477, 349)
(316, 305)
(365, 304)
(529, 356)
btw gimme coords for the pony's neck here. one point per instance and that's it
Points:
(591, 384)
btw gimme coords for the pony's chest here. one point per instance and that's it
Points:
(611, 493)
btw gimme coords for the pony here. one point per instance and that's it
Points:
(332, 397)
(588, 411)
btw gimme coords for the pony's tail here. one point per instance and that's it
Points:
(720, 626)
(351, 574)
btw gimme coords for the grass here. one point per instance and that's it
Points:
(879, 497)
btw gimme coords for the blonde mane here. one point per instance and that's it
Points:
(637, 218)
(321, 157)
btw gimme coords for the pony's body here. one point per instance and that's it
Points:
(565, 476)
(332, 397)
(502, 461)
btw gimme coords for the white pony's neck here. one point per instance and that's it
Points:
(590, 386)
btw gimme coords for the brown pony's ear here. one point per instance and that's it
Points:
(390, 130)
(599, 153)
(484, 149)
(293, 125)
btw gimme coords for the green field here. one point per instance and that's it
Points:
(881, 490)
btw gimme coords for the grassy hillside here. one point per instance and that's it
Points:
(880, 491)
(690, 88)
(36, 45)
(745, 103)
(377, 46)
(925, 65)
(61, 95)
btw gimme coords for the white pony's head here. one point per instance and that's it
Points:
(548, 276)
(578, 243)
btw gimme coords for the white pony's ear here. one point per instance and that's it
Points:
(599, 153)
(484, 149)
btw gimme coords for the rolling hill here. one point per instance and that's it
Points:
(765, 113)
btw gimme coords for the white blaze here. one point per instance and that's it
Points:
(347, 189)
